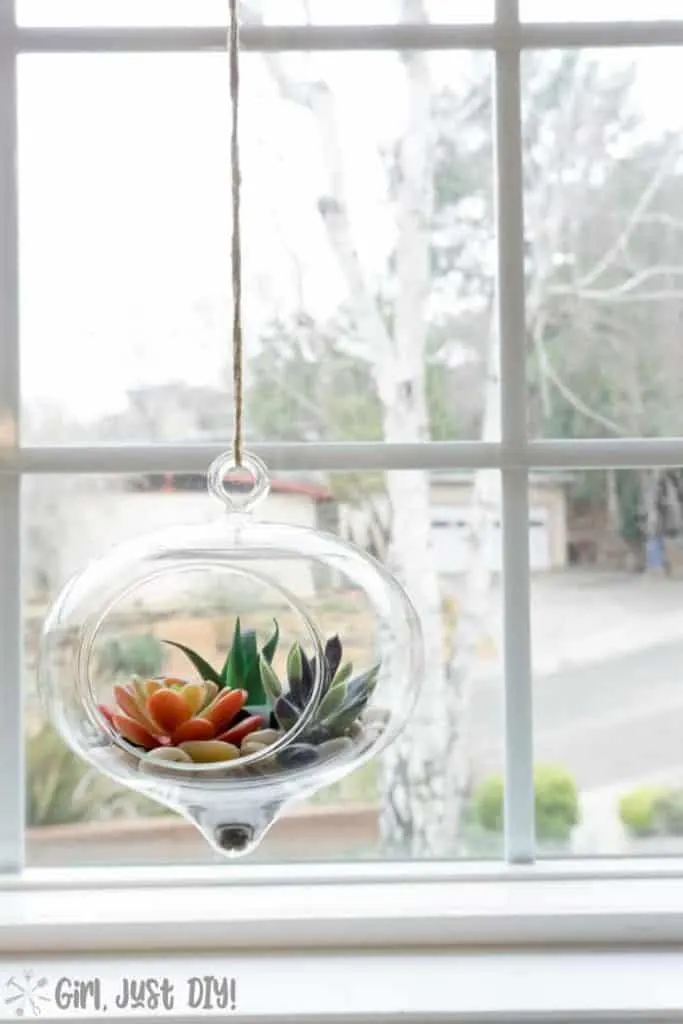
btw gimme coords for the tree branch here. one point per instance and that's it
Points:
(549, 370)
(665, 219)
(634, 219)
(623, 289)
(657, 296)
(317, 98)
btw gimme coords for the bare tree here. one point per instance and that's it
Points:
(575, 123)
(605, 277)
(413, 777)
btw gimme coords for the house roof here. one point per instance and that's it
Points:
(183, 482)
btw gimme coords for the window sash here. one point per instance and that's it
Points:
(514, 454)
(11, 702)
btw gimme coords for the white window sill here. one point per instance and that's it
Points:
(376, 943)
(342, 906)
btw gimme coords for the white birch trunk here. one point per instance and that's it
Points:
(474, 612)
(413, 770)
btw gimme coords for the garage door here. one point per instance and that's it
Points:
(450, 532)
(539, 539)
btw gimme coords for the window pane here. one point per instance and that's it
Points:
(599, 10)
(75, 817)
(603, 158)
(69, 13)
(125, 233)
(607, 628)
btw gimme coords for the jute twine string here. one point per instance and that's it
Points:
(236, 248)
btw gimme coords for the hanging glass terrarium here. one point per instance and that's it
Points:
(228, 740)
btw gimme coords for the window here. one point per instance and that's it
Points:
(464, 282)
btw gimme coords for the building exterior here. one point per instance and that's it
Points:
(102, 517)
(451, 496)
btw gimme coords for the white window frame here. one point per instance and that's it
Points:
(402, 910)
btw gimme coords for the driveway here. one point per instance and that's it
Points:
(608, 679)
(613, 720)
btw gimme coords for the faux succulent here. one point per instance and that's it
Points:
(342, 700)
(241, 668)
(243, 707)
(196, 718)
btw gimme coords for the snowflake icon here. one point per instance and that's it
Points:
(26, 994)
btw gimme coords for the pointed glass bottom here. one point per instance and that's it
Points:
(233, 827)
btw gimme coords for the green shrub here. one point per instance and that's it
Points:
(62, 789)
(671, 813)
(652, 811)
(135, 655)
(556, 803)
(639, 810)
(488, 803)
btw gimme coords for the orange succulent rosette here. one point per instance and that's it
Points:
(193, 717)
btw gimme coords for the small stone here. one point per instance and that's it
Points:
(269, 766)
(333, 748)
(250, 746)
(264, 736)
(154, 761)
(318, 734)
(236, 771)
(376, 716)
(167, 754)
(371, 735)
(209, 751)
(297, 756)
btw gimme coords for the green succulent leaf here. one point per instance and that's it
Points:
(343, 674)
(270, 646)
(298, 676)
(332, 701)
(357, 694)
(249, 650)
(257, 694)
(341, 721)
(206, 671)
(269, 681)
(232, 675)
(309, 678)
(364, 684)
(294, 665)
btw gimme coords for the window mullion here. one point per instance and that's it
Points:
(11, 696)
(254, 38)
(519, 796)
(305, 38)
(559, 454)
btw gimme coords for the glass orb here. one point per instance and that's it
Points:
(270, 661)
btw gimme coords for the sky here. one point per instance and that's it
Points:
(210, 12)
(124, 190)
